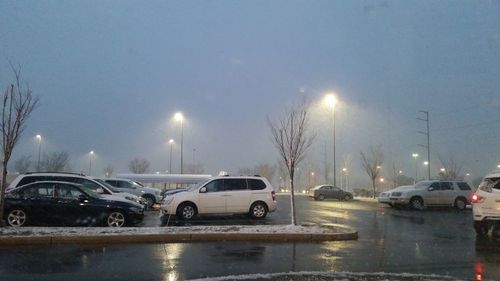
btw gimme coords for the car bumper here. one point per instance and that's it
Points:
(399, 200)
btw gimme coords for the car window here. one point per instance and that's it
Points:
(335, 188)
(446, 185)
(39, 190)
(255, 184)
(123, 184)
(215, 186)
(68, 191)
(435, 186)
(89, 184)
(30, 179)
(463, 186)
(235, 184)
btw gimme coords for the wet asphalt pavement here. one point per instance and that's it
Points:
(436, 241)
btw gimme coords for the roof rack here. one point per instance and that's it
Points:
(67, 173)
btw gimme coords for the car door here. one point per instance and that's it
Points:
(39, 198)
(69, 208)
(238, 195)
(447, 193)
(213, 199)
(336, 193)
(432, 194)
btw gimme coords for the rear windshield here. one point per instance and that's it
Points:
(488, 184)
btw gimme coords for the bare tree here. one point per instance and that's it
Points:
(265, 170)
(289, 135)
(452, 168)
(55, 162)
(18, 104)
(138, 166)
(108, 171)
(23, 164)
(245, 171)
(371, 163)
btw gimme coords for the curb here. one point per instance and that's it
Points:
(174, 238)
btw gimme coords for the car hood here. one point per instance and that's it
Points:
(121, 197)
(170, 192)
(401, 188)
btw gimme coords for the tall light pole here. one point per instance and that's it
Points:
(415, 155)
(91, 153)
(180, 118)
(331, 101)
(346, 181)
(39, 139)
(171, 142)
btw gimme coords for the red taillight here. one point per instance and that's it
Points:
(477, 199)
(273, 195)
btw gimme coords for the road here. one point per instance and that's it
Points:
(437, 241)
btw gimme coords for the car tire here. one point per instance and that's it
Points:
(482, 228)
(258, 210)
(17, 217)
(115, 219)
(460, 203)
(150, 200)
(417, 203)
(186, 211)
(321, 197)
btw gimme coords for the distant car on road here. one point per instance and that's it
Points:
(65, 203)
(322, 192)
(151, 195)
(486, 203)
(432, 193)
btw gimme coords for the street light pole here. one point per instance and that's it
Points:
(171, 142)
(179, 117)
(415, 155)
(90, 162)
(39, 138)
(331, 101)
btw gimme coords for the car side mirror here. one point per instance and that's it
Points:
(203, 190)
(99, 190)
(430, 188)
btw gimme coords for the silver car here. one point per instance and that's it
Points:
(151, 195)
(430, 193)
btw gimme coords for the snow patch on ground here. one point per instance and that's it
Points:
(93, 231)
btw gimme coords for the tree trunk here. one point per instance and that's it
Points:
(292, 202)
(2, 192)
(373, 186)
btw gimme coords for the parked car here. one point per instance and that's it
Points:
(385, 197)
(151, 195)
(100, 187)
(433, 193)
(65, 203)
(486, 203)
(322, 192)
(251, 195)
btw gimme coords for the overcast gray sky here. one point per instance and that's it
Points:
(111, 75)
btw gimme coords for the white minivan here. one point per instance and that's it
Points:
(486, 204)
(251, 195)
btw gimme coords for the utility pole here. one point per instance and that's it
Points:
(428, 146)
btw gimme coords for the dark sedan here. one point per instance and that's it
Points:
(322, 192)
(64, 203)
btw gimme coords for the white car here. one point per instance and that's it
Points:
(151, 195)
(433, 193)
(251, 195)
(385, 197)
(486, 203)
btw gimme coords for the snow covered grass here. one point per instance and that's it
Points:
(98, 231)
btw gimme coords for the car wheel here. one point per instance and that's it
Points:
(347, 197)
(321, 197)
(115, 219)
(186, 211)
(17, 217)
(481, 228)
(258, 210)
(150, 201)
(417, 203)
(460, 204)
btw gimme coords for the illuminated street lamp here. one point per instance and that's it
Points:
(171, 142)
(91, 153)
(180, 118)
(498, 166)
(415, 155)
(331, 101)
(426, 163)
(39, 139)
